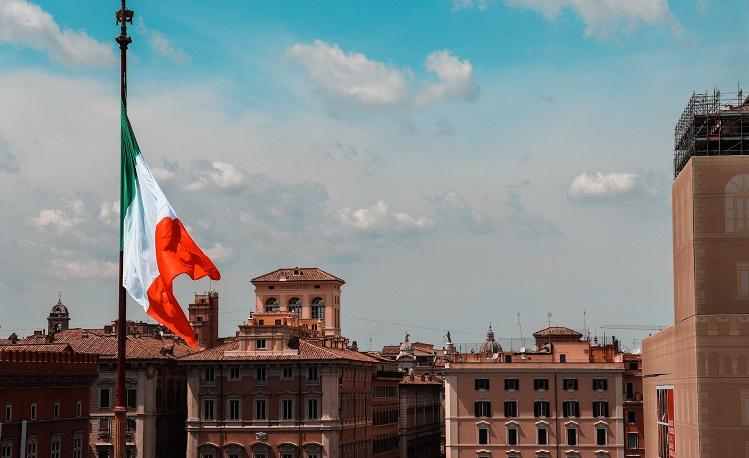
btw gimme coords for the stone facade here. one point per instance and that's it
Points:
(697, 368)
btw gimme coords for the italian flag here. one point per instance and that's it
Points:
(155, 245)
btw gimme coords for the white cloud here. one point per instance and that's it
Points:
(350, 75)
(109, 212)
(599, 185)
(219, 253)
(161, 46)
(378, 219)
(83, 269)
(221, 175)
(60, 219)
(455, 79)
(25, 24)
(605, 17)
(162, 175)
(645, 190)
(602, 18)
(353, 77)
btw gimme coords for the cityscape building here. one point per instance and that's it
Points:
(696, 379)
(568, 397)
(44, 397)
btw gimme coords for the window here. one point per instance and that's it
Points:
(260, 409)
(601, 435)
(208, 409)
(8, 412)
(130, 426)
(131, 398)
(288, 372)
(287, 409)
(562, 358)
(481, 384)
(318, 308)
(312, 375)
(77, 445)
(632, 439)
(483, 436)
(630, 391)
(54, 447)
(600, 384)
(295, 306)
(312, 412)
(208, 376)
(6, 449)
(32, 448)
(511, 409)
(271, 305)
(542, 435)
(570, 384)
(742, 278)
(234, 406)
(235, 373)
(56, 410)
(260, 344)
(600, 409)
(512, 435)
(104, 398)
(32, 414)
(541, 384)
(260, 377)
(512, 384)
(541, 408)
(737, 203)
(571, 409)
(79, 409)
(483, 408)
(631, 416)
(571, 435)
(633, 366)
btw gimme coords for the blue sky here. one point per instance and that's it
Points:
(456, 162)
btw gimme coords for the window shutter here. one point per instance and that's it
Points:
(476, 409)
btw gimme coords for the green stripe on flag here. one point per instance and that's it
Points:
(128, 179)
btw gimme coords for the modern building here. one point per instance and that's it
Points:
(44, 397)
(696, 378)
(566, 398)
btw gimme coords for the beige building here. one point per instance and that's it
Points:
(566, 398)
(696, 376)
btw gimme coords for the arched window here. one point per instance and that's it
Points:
(318, 308)
(271, 305)
(295, 306)
(737, 203)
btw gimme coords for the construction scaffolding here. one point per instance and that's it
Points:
(712, 124)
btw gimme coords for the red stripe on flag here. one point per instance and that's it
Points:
(176, 254)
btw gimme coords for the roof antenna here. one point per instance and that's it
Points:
(522, 342)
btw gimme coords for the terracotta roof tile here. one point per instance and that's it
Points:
(53, 347)
(95, 341)
(307, 351)
(557, 331)
(302, 274)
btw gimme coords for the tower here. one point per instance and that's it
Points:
(696, 377)
(203, 316)
(59, 318)
(311, 293)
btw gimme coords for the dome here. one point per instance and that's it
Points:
(59, 309)
(490, 346)
(406, 346)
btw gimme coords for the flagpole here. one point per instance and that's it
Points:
(124, 16)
